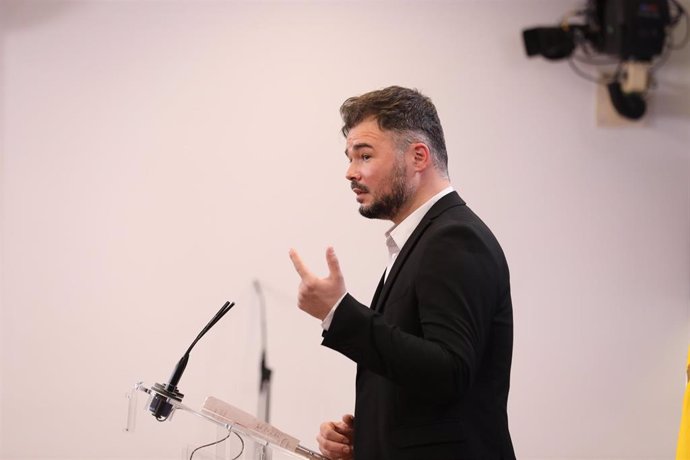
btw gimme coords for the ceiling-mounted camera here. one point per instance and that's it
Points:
(633, 35)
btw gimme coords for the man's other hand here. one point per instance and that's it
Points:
(335, 439)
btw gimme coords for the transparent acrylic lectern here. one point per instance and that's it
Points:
(259, 440)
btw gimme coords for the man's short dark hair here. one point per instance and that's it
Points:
(403, 110)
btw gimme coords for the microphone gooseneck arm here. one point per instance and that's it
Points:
(160, 406)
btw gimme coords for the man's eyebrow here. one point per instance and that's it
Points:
(359, 145)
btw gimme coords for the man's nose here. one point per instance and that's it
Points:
(352, 173)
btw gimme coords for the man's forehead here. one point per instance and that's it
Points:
(367, 127)
(365, 133)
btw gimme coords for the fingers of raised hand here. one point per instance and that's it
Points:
(307, 290)
(333, 264)
(297, 262)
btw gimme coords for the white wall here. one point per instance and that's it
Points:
(157, 157)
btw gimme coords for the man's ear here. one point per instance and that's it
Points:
(421, 156)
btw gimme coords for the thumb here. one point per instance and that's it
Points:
(333, 264)
(349, 419)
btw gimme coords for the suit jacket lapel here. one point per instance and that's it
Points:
(374, 301)
(448, 201)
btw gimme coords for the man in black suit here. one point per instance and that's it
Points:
(434, 351)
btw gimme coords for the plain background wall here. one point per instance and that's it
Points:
(158, 157)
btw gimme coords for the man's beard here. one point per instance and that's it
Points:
(388, 205)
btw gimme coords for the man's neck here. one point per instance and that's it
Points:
(423, 194)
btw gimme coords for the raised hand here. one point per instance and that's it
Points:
(316, 295)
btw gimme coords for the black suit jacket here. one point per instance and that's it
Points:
(433, 353)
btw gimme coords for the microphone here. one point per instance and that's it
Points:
(160, 405)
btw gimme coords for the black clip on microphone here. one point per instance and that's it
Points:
(160, 405)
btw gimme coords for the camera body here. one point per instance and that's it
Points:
(632, 31)
(627, 29)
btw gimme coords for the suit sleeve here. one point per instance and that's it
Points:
(454, 291)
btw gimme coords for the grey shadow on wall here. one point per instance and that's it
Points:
(22, 14)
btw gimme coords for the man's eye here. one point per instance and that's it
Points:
(366, 156)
